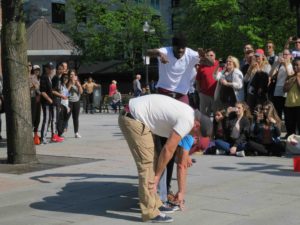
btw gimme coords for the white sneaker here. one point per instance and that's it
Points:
(220, 152)
(240, 154)
(77, 135)
(45, 141)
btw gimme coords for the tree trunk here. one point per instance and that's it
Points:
(20, 147)
(298, 19)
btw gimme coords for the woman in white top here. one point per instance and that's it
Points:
(281, 69)
(229, 88)
(257, 78)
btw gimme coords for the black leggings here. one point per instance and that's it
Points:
(292, 120)
(278, 102)
(170, 165)
(74, 110)
(275, 149)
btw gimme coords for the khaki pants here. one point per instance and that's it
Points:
(141, 144)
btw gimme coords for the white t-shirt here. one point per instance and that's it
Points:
(281, 77)
(163, 114)
(295, 53)
(177, 74)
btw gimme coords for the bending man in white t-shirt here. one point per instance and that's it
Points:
(163, 116)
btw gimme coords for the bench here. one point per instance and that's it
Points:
(105, 103)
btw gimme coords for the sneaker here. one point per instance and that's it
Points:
(240, 154)
(56, 138)
(77, 135)
(162, 218)
(175, 207)
(220, 152)
(44, 141)
(36, 140)
(166, 208)
(59, 137)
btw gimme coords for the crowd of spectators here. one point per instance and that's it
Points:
(254, 103)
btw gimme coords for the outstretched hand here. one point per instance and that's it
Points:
(201, 52)
(163, 58)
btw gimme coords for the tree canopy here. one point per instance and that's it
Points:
(108, 30)
(227, 25)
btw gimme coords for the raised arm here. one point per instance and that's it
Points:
(287, 44)
(156, 53)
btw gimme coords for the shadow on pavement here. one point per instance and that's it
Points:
(116, 200)
(272, 169)
(78, 176)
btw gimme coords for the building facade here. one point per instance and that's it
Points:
(55, 12)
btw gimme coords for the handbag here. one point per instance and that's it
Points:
(293, 144)
(227, 95)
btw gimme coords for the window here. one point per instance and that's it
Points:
(155, 4)
(58, 13)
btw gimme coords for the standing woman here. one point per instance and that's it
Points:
(292, 101)
(64, 105)
(281, 69)
(75, 90)
(229, 88)
(37, 117)
(257, 78)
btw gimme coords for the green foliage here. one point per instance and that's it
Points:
(106, 30)
(227, 25)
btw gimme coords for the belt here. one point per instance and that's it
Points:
(170, 93)
(127, 114)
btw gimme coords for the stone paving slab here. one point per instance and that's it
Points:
(221, 189)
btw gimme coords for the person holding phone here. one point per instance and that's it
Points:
(236, 130)
(75, 91)
(277, 76)
(266, 133)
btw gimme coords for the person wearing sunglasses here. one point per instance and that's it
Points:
(270, 50)
(296, 50)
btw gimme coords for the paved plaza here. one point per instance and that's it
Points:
(95, 183)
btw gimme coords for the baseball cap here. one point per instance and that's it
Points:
(36, 67)
(50, 65)
(259, 52)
